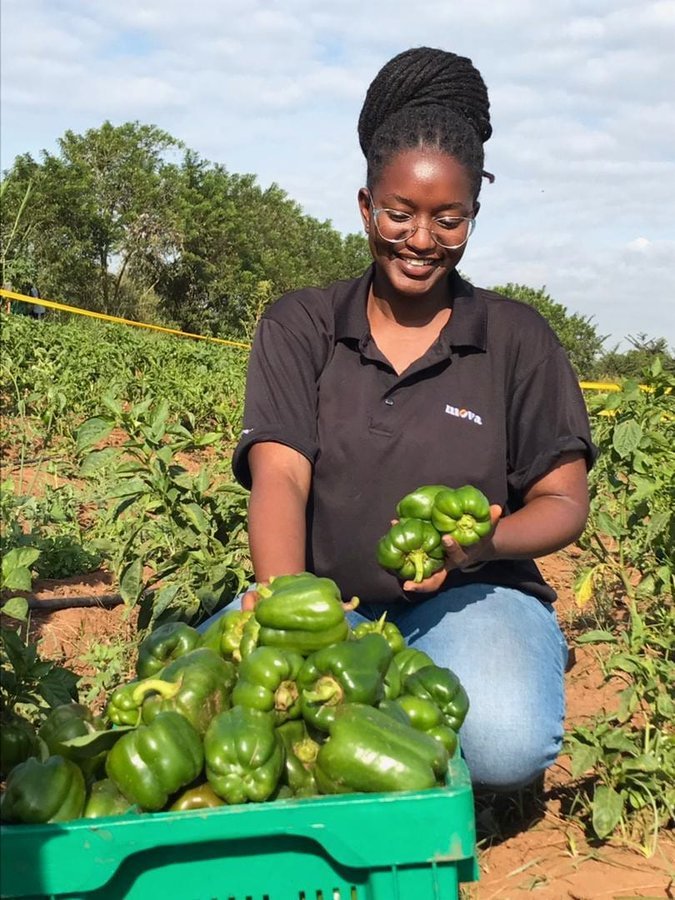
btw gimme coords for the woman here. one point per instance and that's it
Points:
(361, 392)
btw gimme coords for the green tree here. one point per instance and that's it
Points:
(99, 212)
(576, 333)
(241, 246)
(631, 363)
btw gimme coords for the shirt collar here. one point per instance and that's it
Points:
(467, 326)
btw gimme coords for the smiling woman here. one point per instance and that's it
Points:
(360, 392)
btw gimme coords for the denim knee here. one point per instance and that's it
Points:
(505, 756)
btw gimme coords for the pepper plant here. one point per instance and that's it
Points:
(630, 536)
(175, 540)
(630, 752)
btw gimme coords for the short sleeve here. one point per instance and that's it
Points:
(546, 418)
(281, 396)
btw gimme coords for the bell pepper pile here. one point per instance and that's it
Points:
(283, 701)
(412, 549)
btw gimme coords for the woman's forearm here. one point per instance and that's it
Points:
(277, 511)
(546, 524)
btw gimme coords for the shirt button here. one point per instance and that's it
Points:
(389, 402)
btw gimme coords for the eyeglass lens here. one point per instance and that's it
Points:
(448, 232)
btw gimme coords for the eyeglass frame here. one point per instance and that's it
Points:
(375, 210)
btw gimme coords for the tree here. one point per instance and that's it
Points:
(242, 246)
(576, 333)
(632, 363)
(116, 226)
(99, 212)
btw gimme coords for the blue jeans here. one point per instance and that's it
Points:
(510, 655)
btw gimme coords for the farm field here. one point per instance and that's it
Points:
(115, 484)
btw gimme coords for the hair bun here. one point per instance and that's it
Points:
(423, 77)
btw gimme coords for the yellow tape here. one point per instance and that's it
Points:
(599, 386)
(51, 304)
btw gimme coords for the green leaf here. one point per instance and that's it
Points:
(164, 598)
(92, 431)
(599, 636)
(195, 514)
(627, 437)
(127, 488)
(628, 702)
(584, 757)
(96, 460)
(645, 763)
(665, 706)
(58, 686)
(22, 557)
(159, 419)
(15, 608)
(609, 525)
(619, 740)
(646, 587)
(89, 745)
(17, 580)
(607, 810)
(131, 582)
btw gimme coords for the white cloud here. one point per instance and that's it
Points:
(582, 103)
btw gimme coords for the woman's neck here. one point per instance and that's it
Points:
(410, 312)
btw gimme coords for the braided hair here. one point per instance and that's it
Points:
(426, 98)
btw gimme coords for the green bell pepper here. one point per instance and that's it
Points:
(65, 722)
(268, 681)
(200, 797)
(410, 660)
(418, 503)
(154, 761)
(39, 792)
(395, 711)
(250, 635)
(244, 755)
(368, 750)
(301, 612)
(224, 636)
(442, 687)
(300, 757)
(201, 684)
(163, 645)
(412, 550)
(350, 672)
(388, 630)
(124, 705)
(463, 513)
(105, 799)
(18, 741)
(425, 716)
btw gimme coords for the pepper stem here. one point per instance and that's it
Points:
(353, 603)
(166, 689)
(286, 695)
(306, 750)
(417, 558)
(378, 628)
(327, 691)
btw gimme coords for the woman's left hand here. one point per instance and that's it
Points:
(458, 557)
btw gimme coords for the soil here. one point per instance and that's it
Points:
(527, 847)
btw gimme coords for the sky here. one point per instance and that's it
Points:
(582, 100)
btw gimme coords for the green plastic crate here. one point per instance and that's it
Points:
(405, 846)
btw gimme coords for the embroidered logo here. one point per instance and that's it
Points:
(461, 413)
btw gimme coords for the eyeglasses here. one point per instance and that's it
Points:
(395, 226)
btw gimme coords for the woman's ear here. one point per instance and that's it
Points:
(364, 207)
(476, 208)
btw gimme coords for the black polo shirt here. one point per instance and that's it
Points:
(493, 402)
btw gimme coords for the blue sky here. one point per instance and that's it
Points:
(583, 110)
